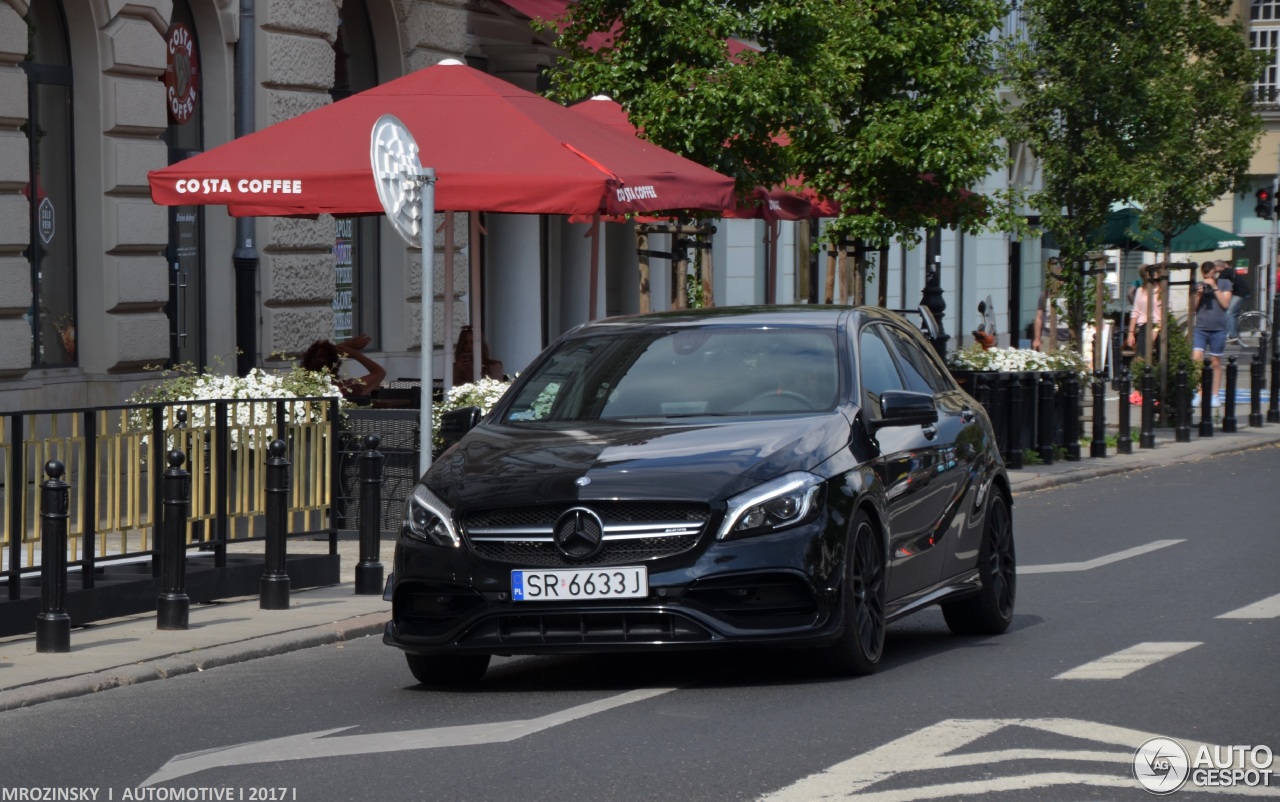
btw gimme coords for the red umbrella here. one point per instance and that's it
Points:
(789, 201)
(494, 147)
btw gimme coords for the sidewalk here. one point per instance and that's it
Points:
(131, 650)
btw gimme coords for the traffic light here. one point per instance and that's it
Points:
(1266, 208)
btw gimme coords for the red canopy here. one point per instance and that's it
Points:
(782, 202)
(494, 148)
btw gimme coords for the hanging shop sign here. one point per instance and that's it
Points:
(46, 222)
(181, 73)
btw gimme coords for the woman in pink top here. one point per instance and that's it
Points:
(1138, 319)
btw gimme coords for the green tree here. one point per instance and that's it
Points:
(1130, 101)
(891, 108)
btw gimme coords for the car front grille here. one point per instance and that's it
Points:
(632, 532)
(598, 628)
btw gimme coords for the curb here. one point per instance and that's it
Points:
(1047, 482)
(193, 661)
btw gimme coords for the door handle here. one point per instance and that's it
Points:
(967, 415)
(930, 431)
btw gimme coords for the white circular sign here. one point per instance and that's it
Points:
(1161, 766)
(398, 174)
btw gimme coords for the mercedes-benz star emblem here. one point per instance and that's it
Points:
(579, 534)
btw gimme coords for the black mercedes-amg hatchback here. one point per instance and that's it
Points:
(781, 476)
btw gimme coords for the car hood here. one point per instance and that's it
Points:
(498, 465)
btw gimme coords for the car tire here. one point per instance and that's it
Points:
(448, 669)
(990, 611)
(857, 651)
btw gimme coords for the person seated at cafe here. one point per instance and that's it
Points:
(327, 356)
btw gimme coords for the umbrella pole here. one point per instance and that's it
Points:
(593, 310)
(427, 216)
(475, 295)
(448, 301)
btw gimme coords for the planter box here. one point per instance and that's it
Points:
(1012, 401)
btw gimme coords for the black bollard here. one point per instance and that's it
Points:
(1255, 392)
(369, 570)
(53, 625)
(1098, 444)
(1047, 418)
(1182, 395)
(1124, 442)
(1229, 406)
(172, 605)
(1013, 442)
(1147, 437)
(1071, 426)
(1273, 403)
(274, 588)
(1206, 399)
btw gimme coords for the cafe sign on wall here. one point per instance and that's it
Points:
(181, 73)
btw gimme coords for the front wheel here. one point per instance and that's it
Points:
(991, 611)
(448, 669)
(858, 649)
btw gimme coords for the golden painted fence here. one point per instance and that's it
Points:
(115, 458)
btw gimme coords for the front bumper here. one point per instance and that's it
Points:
(778, 589)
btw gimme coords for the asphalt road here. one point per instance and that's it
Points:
(1106, 652)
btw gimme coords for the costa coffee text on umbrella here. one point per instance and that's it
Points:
(245, 186)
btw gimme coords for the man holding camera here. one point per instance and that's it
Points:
(1210, 334)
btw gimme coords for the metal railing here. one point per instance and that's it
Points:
(114, 459)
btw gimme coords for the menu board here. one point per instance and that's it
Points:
(344, 267)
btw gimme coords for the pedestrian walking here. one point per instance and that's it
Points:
(1050, 328)
(1147, 314)
(1210, 333)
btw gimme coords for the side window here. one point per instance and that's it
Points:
(876, 369)
(921, 372)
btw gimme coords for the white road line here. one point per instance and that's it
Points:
(1267, 608)
(325, 744)
(1096, 562)
(1126, 661)
(931, 750)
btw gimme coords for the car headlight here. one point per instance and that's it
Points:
(777, 504)
(427, 518)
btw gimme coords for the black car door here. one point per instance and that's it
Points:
(958, 432)
(907, 466)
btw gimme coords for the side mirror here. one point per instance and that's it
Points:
(904, 408)
(457, 422)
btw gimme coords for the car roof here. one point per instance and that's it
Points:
(803, 315)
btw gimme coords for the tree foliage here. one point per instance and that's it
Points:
(890, 108)
(1131, 101)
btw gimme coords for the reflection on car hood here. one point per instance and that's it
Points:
(512, 465)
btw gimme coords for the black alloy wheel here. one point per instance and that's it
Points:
(858, 650)
(990, 611)
(448, 669)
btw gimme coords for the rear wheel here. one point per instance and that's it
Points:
(859, 647)
(990, 611)
(448, 669)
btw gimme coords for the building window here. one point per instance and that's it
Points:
(1264, 35)
(50, 188)
(356, 239)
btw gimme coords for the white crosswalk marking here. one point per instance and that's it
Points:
(1126, 661)
(1267, 608)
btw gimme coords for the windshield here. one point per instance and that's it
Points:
(698, 372)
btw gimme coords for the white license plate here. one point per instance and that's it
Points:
(624, 582)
